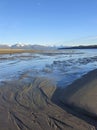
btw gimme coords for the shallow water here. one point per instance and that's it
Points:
(62, 67)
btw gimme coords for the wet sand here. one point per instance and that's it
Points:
(38, 104)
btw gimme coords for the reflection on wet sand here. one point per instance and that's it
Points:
(59, 65)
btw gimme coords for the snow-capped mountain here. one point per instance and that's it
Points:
(21, 46)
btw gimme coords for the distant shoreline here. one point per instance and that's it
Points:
(12, 51)
(80, 47)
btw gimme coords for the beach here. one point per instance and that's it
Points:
(36, 105)
(38, 99)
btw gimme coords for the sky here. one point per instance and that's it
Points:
(48, 22)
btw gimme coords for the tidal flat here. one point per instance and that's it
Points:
(48, 90)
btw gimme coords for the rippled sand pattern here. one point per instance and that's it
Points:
(29, 106)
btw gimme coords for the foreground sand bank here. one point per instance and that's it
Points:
(82, 94)
(40, 105)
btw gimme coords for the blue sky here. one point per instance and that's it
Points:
(48, 22)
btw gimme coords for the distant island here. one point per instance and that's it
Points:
(80, 47)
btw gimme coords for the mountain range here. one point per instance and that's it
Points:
(26, 46)
(42, 47)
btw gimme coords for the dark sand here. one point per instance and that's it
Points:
(39, 105)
